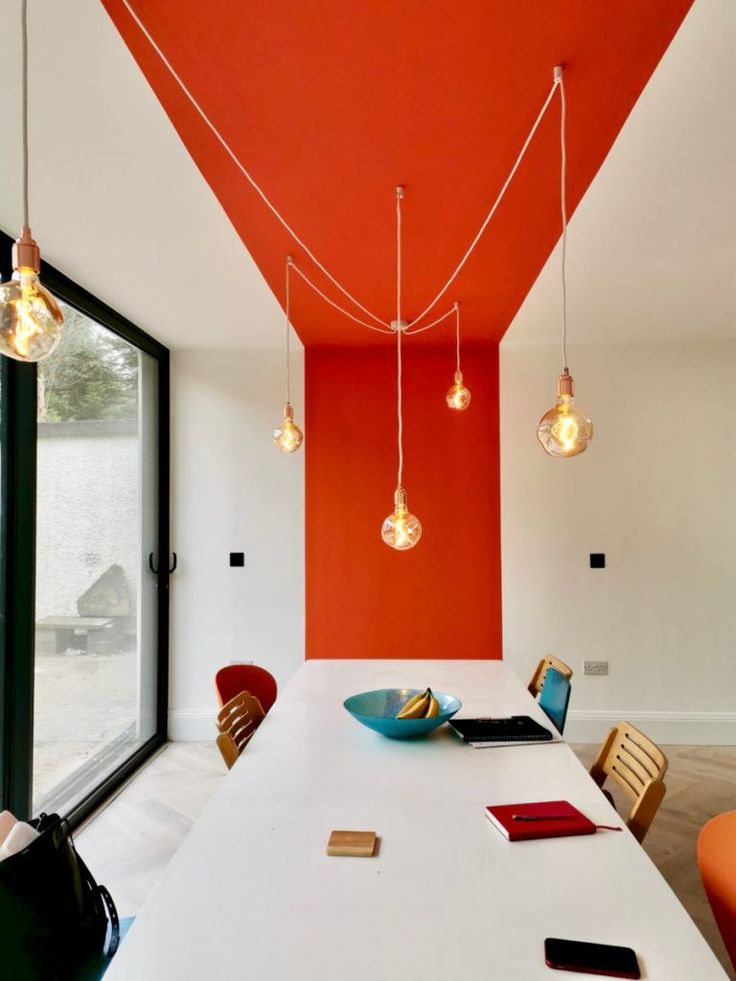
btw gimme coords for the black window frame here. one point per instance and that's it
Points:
(18, 436)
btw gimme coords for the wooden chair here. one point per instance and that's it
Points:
(717, 863)
(555, 697)
(234, 678)
(237, 721)
(638, 766)
(536, 683)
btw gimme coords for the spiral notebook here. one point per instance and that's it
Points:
(501, 732)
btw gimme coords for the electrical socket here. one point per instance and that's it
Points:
(595, 667)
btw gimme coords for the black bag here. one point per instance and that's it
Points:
(53, 915)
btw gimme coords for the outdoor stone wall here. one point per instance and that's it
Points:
(88, 510)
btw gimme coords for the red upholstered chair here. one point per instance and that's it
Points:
(233, 679)
(717, 862)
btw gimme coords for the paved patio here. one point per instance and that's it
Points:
(83, 703)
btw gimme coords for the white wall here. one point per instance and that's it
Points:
(656, 491)
(232, 491)
(116, 198)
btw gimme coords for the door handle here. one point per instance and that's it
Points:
(172, 567)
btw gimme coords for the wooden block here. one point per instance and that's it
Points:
(357, 843)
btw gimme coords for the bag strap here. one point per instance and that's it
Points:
(110, 908)
(112, 914)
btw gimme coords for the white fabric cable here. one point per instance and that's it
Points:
(24, 70)
(457, 338)
(231, 153)
(288, 308)
(563, 210)
(399, 406)
(491, 213)
(318, 291)
(420, 330)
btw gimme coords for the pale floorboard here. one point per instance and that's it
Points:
(129, 843)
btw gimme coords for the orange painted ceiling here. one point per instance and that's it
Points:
(330, 104)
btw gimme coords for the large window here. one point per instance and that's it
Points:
(84, 665)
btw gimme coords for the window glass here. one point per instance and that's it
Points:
(95, 660)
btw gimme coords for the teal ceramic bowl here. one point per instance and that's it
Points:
(378, 710)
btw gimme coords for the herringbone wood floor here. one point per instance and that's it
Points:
(128, 844)
(701, 782)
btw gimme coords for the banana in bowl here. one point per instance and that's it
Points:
(402, 713)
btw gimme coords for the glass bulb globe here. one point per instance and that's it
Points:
(458, 397)
(31, 322)
(288, 437)
(401, 530)
(565, 430)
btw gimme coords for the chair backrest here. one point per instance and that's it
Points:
(234, 678)
(536, 683)
(638, 766)
(555, 697)
(717, 862)
(236, 721)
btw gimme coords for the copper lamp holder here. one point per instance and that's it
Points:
(26, 253)
(565, 385)
(400, 499)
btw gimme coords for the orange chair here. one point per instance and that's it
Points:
(233, 679)
(717, 863)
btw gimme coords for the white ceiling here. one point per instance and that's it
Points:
(118, 205)
(116, 202)
(652, 246)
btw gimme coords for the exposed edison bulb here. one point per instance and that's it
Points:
(288, 437)
(565, 430)
(401, 530)
(31, 321)
(458, 396)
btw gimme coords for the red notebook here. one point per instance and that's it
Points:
(541, 819)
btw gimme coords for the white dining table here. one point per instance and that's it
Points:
(251, 893)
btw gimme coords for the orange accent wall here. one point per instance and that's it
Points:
(442, 598)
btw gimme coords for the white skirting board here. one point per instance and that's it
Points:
(666, 728)
(192, 725)
(583, 726)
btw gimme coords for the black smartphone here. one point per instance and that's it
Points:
(587, 958)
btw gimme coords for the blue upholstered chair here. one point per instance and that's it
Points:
(555, 697)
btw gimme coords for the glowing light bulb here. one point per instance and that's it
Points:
(31, 321)
(401, 530)
(288, 437)
(458, 397)
(565, 430)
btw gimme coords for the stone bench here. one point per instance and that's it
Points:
(95, 635)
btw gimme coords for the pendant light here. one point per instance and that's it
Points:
(401, 529)
(458, 396)
(566, 429)
(288, 437)
(31, 322)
